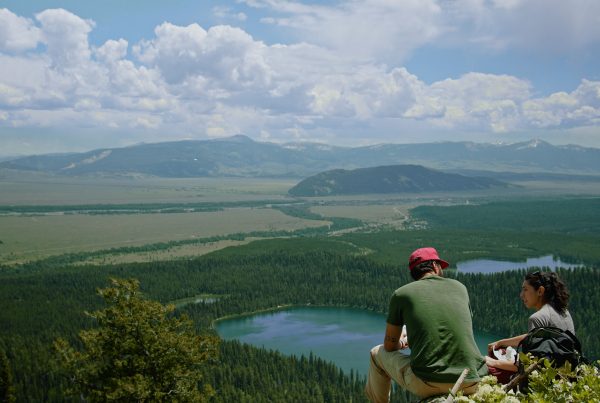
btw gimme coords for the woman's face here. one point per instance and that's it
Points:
(532, 298)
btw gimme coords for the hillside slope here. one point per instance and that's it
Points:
(388, 179)
(243, 157)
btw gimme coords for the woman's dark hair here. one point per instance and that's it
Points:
(555, 291)
(419, 271)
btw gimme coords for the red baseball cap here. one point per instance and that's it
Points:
(424, 254)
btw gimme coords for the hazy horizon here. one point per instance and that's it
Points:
(283, 143)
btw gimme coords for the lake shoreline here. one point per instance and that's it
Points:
(342, 335)
(283, 307)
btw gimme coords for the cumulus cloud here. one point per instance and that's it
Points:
(112, 51)
(228, 57)
(66, 37)
(475, 100)
(17, 33)
(365, 94)
(578, 108)
(220, 81)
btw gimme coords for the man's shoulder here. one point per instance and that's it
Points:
(405, 289)
(454, 282)
(434, 281)
(444, 281)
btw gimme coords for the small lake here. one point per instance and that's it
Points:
(343, 336)
(495, 266)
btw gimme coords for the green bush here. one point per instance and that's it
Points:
(546, 384)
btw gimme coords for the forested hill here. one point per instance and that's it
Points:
(388, 179)
(243, 157)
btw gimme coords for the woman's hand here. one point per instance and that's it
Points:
(491, 362)
(510, 342)
(491, 347)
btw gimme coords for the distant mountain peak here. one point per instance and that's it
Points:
(308, 146)
(238, 138)
(241, 156)
(534, 143)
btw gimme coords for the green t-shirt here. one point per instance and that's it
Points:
(437, 316)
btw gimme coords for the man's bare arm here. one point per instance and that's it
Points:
(392, 341)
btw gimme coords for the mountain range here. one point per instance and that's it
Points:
(243, 157)
(388, 179)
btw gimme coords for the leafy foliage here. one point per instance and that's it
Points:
(138, 352)
(546, 384)
(550, 384)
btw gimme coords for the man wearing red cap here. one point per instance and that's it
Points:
(437, 316)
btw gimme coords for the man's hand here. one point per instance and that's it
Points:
(403, 338)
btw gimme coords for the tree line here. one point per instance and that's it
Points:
(42, 304)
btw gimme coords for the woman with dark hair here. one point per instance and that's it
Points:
(548, 295)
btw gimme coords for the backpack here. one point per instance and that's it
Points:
(557, 345)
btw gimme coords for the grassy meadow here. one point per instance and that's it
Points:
(186, 251)
(37, 235)
(29, 237)
(56, 221)
(40, 189)
(392, 215)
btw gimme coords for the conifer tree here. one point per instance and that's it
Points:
(7, 390)
(138, 352)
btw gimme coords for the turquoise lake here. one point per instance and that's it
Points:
(343, 336)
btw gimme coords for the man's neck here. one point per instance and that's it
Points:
(429, 274)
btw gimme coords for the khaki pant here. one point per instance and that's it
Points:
(388, 365)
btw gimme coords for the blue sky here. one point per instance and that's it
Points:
(77, 74)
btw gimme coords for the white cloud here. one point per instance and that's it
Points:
(11, 97)
(366, 93)
(540, 26)
(361, 29)
(192, 81)
(66, 37)
(476, 101)
(390, 30)
(112, 51)
(226, 55)
(227, 13)
(578, 108)
(17, 33)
